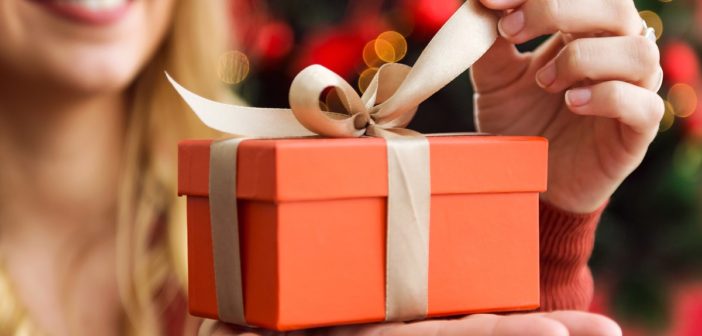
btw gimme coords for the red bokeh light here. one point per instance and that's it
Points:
(275, 40)
(679, 62)
(430, 15)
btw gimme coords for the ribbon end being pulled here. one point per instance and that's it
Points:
(241, 120)
(201, 106)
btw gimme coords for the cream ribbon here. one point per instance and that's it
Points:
(388, 105)
(225, 230)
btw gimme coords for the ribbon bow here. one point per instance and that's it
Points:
(389, 101)
(388, 105)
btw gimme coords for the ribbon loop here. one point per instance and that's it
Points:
(304, 102)
(348, 115)
(384, 83)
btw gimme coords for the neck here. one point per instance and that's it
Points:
(59, 161)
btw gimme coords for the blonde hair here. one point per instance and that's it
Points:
(148, 266)
(150, 229)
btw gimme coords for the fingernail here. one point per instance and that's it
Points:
(578, 97)
(650, 34)
(498, 3)
(660, 79)
(547, 75)
(511, 24)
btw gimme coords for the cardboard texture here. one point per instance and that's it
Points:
(312, 226)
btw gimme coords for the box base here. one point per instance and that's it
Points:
(319, 263)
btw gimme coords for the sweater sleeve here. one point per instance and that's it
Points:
(566, 242)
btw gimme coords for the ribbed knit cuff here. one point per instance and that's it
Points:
(566, 242)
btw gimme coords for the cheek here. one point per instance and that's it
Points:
(48, 49)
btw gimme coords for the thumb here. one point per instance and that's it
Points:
(216, 328)
(499, 66)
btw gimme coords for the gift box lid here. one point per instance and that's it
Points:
(325, 168)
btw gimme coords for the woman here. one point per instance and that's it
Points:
(91, 235)
(90, 229)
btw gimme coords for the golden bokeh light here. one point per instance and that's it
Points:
(388, 47)
(370, 57)
(233, 67)
(668, 118)
(384, 50)
(365, 78)
(683, 99)
(397, 44)
(653, 21)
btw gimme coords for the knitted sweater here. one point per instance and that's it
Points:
(566, 241)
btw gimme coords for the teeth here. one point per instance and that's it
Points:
(95, 5)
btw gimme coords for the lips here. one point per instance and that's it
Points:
(96, 12)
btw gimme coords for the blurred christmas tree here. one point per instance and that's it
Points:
(649, 244)
(648, 257)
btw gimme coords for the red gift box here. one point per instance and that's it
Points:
(312, 226)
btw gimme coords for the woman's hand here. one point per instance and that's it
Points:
(590, 89)
(559, 323)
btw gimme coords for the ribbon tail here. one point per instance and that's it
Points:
(224, 221)
(409, 197)
(242, 120)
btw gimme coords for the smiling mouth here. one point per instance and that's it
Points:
(95, 12)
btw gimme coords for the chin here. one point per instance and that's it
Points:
(84, 46)
(95, 73)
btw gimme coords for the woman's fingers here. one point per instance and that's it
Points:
(564, 323)
(478, 325)
(585, 324)
(540, 17)
(636, 107)
(528, 325)
(633, 59)
(474, 325)
(216, 328)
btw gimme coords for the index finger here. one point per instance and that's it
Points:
(216, 328)
(535, 18)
